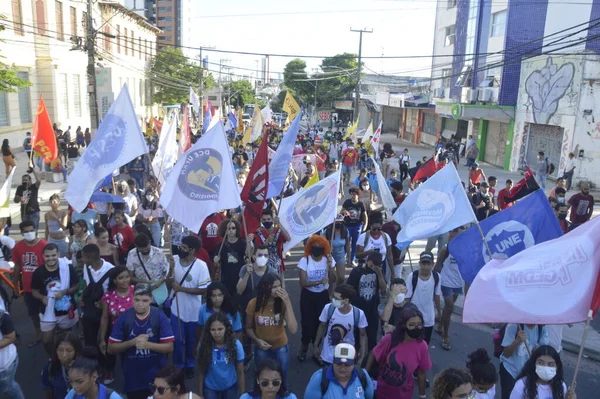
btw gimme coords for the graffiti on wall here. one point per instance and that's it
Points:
(522, 150)
(546, 87)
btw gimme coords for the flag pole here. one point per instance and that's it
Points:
(248, 255)
(487, 247)
(409, 259)
(580, 355)
(221, 247)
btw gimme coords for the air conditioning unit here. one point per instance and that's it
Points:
(468, 95)
(484, 94)
(438, 92)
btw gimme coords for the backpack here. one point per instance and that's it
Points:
(362, 377)
(499, 337)
(355, 314)
(6, 252)
(92, 294)
(129, 321)
(415, 280)
(549, 167)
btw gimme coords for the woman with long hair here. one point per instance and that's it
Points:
(316, 268)
(266, 317)
(366, 194)
(340, 246)
(218, 299)
(169, 383)
(8, 157)
(484, 374)
(149, 213)
(109, 252)
(55, 375)
(542, 377)
(232, 254)
(122, 236)
(56, 225)
(83, 375)
(452, 383)
(269, 383)
(405, 345)
(220, 360)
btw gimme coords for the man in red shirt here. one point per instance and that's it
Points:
(582, 206)
(349, 159)
(28, 255)
(273, 237)
(503, 194)
(209, 233)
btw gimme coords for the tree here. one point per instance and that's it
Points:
(9, 80)
(295, 78)
(172, 73)
(339, 77)
(241, 92)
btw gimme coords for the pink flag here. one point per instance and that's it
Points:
(185, 141)
(549, 283)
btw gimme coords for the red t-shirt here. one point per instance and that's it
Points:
(30, 258)
(321, 162)
(502, 195)
(209, 232)
(123, 238)
(203, 256)
(349, 157)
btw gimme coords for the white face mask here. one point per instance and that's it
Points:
(365, 187)
(399, 298)
(261, 261)
(29, 236)
(337, 303)
(545, 373)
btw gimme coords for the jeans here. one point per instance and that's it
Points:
(39, 162)
(542, 180)
(183, 353)
(9, 388)
(229, 393)
(354, 233)
(569, 177)
(34, 217)
(282, 355)
(156, 232)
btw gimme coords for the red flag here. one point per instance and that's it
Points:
(185, 141)
(523, 187)
(426, 170)
(44, 140)
(158, 125)
(255, 189)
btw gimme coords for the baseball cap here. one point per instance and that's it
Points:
(426, 256)
(344, 354)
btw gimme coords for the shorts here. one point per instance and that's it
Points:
(447, 291)
(339, 257)
(63, 322)
(33, 305)
(346, 169)
(387, 161)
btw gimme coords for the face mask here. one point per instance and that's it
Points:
(365, 187)
(267, 225)
(561, 200)
(399, 298)
(337, 303)
(317, 251)
(183, 254)
(150, 198)
(29, 236)
(545, 373)
(414, 334)
(562, 216)
(261, 261)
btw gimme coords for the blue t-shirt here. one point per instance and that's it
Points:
(140, 365)
(204, 314)
(248, 396)
(222, 373)
(101, 394)
(515, 363)
(88, 216)
(59, 383)
(354, 389)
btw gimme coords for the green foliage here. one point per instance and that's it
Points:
(9, 82)
(345, 65)
(294, 77)
(241, 91)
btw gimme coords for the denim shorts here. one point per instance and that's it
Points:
(447, 291)
(346, 169)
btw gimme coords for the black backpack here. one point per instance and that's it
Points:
(415, 280)
(92, 294)
(498, 338)
(325, 381)
(6, 252)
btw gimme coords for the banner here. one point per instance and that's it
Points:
(310, 210)
(352, 130)
(290, 106)
(43, 139)
(240, 120)
(254, 130)
(185, 139)
(267, 114)
(206, 120)
(523, 187)
(280, 164)
(549, 283)
(376, 138)
(5, 194)
(255, 190)
(426, 170)
(167, 151)
(436, 207)
(202, 182)
(508, 232)
(195, 101)
(231, 122)
(119, 140)
(387, 199)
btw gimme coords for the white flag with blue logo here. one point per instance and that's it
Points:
(195, 101)
(280, 164)
(119, 140)
(436, 207)
(202, 182)
(167, 151)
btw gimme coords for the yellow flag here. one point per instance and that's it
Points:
(150, 126)
(240, 119)
(368, 136)
(313, 180)
(352, 130)
(290, 106)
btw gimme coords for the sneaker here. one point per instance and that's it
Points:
(108, 378)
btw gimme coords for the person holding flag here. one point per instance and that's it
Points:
(273, 237)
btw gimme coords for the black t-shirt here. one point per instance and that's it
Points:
(355, 213)
(43, 279)
(395, 316)
(232, 260)
(482, 213)
(364, 280)
(6, 325)
(30, 192)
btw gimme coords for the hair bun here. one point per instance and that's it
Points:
(480, 356)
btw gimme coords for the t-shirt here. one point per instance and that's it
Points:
(31, 195)
(123, 238)
(276, 258)
(375, 243)
(515, 363)
(397, 365)
(543, 391)
(247, 395)
(268, 326)
(117, 304)
(450, 275)
(422, 298)
(395, 316)
(355, 211)
(232, 260)
(97, 274)
(58, 383)
(44, 281)
(490, 394)
(30, 257)
(250, 291)
(198, 277)
(222, 371)
(205, 313)
(581, 208)
(315, 271)
(73, 395)
(349, 157)
(89, 217)
(353, 389)
(8, 354)
(131, 201)
(140, 365)
(364, 280)
(339, 329)
(209, 232)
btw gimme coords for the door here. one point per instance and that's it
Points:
(544, 138)
(391, 119)
(495, 144)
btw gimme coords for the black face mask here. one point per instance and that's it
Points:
(183, 254)
(317, 251)
(267, 225)
(416, 333)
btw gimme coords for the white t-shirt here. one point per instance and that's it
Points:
(375, 243)
(10, 244)
(8, 354)
(315, 271)
(490, 394)
(340, 329)
(198, 277)
(543, 391)
(131, 201)
(555, 334)
(450, 275)
(423, 297)
(97, 274)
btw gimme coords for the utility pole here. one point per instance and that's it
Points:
(200, 88)
(357, 93)
(91, 69)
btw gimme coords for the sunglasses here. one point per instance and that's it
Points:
(160, 390)
(232, 228)
(266, 383)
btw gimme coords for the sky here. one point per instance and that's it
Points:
(316, 27)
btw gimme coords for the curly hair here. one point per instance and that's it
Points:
(225, 224)
(531, 377)
(205, 352)
(481, 367)
(318, 240)
(447, 381)
(228, 306)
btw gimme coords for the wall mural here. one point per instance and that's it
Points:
(545, 88)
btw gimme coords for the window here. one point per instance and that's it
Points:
(165, 19)
(446, 77)
(165, 8)
(84, 22)
(451, 3)
(24, 99)
(464, 79)
(77, 93)
(118, 39)
(125, 40)
(17, 18)
(132, 45)
(63, 99)
(3, 109)
(140, 47)
(450, 34)
(40, 16)
(166, 28)
(498, 23)
(60, 30)
(107, 38)
(73, 17)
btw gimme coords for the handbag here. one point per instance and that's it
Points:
(159, 293)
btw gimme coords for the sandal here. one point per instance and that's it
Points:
(301, 354)
(446, 344)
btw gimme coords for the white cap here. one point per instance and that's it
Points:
(344, 353)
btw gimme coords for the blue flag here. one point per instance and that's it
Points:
(231, 122)
(529, 222)
(207, 118)
(279, 165)
(119, 140)
(106, 182)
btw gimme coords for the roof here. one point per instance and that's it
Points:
(126, 11)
